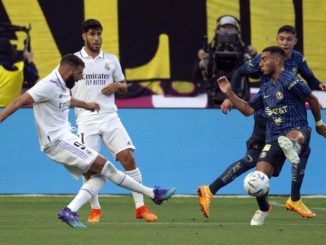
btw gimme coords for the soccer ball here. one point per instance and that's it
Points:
(256, 184)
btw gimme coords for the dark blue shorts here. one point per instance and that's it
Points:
(273, 153)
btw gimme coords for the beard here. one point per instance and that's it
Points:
(70, 82)
(93, 48)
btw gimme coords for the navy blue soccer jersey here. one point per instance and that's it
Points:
(296, 64)
(252, 65)
(283, 103)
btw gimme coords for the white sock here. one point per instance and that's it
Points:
(121, 179)
(95, 204)
(86, 192)
(138, 198)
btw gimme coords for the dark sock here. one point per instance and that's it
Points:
(232, 172)
(297, 176)
(263, 203)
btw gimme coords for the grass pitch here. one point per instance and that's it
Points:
(33, 220)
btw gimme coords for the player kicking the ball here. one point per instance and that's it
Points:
(51, 101)
(282, 96)
(294, 62)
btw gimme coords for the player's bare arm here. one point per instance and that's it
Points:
(91, 106)
(315, 110)
(116, 87)
(238, 103)
(24, 99)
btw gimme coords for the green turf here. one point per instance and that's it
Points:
(33, 220)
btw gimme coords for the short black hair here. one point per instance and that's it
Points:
(275, 50)
(72, 60)
(288, 29)
(90, 24)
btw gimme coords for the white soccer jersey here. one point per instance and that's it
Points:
(98, 73)
(51, 107)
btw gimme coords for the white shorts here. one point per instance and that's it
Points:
(109, 128)
(69, 151)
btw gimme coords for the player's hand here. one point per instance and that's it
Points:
(28, 56)
(110, 89)
(321, 130)
(224, 84)
(226, 106)
(93, 106)
(322, 86)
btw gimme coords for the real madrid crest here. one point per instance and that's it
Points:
(279, 95)
(107, 66)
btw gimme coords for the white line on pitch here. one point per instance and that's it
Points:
(201, 224)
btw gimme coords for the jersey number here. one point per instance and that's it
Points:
(81, 146)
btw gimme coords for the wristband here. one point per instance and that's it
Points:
(319, 123)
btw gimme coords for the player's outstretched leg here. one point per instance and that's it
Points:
(206, 193)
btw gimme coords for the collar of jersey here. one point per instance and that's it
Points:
(85, 54)
(60, 79)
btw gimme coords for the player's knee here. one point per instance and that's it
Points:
(96, 166)
(266, 168)
(296, 135)
(127, 160)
